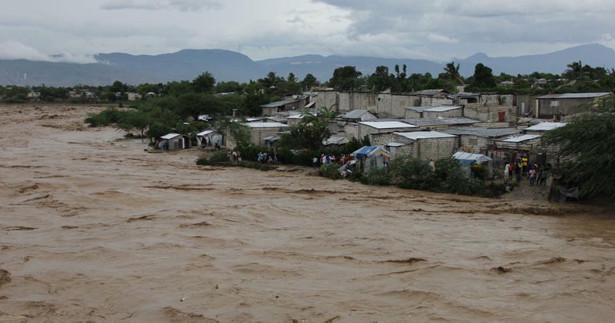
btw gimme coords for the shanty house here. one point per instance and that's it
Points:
(440, 123)
(174, 141)
(551, 105)
(523, 145)
(358, 115)
(261, 132)
(479, 140)
(274, 108)
(381, 126)
(294, 119)
(434, 112)
(209, 138)
(419, 144)
(544, 127)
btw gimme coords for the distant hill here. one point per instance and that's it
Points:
(23, 72)
(228, 65)
(322, 67)
(555, 62)
(187, 64)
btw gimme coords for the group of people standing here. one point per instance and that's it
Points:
(264, 157)
(331, 159)
(521, 167)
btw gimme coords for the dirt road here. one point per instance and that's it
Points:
(95, 228)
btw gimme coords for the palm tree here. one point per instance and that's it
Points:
(452, 72)
(327, 113)
(574, 71)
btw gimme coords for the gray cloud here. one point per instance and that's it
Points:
(548, 21)
(182, 5)
(436, 29)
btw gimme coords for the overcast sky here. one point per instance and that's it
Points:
(430, 29)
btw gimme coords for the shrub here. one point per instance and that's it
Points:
(377, 176)
(203, 162)
(219, 157)
(330, 171)
(479, 171)
(412, 173)
(494, 189)
(104, 118)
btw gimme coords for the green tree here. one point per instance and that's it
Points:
(380, 80)
(308, 134)
(345, 78)
(452, 72)
(585, 147)
(230, 86)
(483, 79)
(309, 81)
(204, 83)
(135, 120)
(255, 96)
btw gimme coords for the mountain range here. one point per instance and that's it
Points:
(228, 65)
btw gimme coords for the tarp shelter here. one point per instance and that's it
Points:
(469, 159)
(371, 156)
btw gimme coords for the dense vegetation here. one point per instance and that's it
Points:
(586, 154)
(412, 173)
(248, 97)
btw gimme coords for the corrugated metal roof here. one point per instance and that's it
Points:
(482, 132)
(395, 144)
(295, 116)
(469, 156)
(522, 138)
(427, 122)
(335, 140)
(279, 103)
(546, 126)
(588, 95)
(205, 133)
(255, 119)
(266, 125)
(434, 109)
(170, 136)
(355, 114)
(387, 124)
(416, 135)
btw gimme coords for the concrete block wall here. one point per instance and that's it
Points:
(326, 99)
(384, 138)
(411, 114)
(351, 130)
(443, 114)
(257, 135)
(490, 113)
(473, 144)
(435, 102)
(435, 148)
(393, 106)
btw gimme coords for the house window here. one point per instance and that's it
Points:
(555, 103)
(473, 142)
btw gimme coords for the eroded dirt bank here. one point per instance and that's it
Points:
(97, 229)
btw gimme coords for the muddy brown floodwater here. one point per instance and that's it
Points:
(95, 228)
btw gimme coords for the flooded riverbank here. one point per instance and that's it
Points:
(93, 228)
